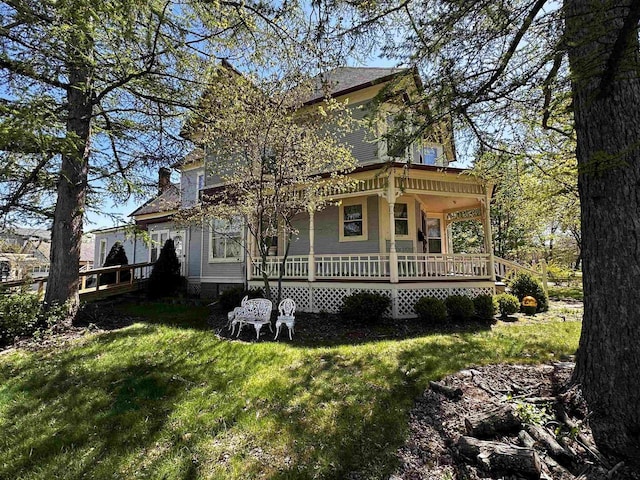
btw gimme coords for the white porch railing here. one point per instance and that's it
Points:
(374, 266)
(431, 266)
(297, 266)
(411, 266)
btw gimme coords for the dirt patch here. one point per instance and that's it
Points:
(538, 397)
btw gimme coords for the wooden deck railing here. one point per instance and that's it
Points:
(126, 278)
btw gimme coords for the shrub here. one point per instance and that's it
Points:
(21, 314)
(507, 304)
(165, 277)
(231, 298)
(459, 307)
(365, 306)
(524, 284)
(116, 256)
(485, 306)
(431, 310)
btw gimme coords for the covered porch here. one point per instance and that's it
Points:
(395, 227)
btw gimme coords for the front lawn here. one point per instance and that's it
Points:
(167, 399)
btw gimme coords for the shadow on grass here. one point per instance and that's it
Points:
(167, 399)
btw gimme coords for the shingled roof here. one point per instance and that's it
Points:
(167, 201)
(342, 80)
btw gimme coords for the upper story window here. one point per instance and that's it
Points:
(353, 220)
(200, 186)
(428, 154)
(225, 242)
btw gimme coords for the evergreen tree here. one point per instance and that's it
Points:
(165, 277)
(116, 256)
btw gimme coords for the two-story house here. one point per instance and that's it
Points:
(391, 234)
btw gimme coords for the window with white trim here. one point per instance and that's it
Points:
(434, 235)
(401, 218)
(225, 241)
(200, 186)
(102, 254)
(353, 220)
(157, 242)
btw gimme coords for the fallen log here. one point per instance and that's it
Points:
(558, 472)
(501, 457)
(449, 392)
(525, 439)
(548, 442)
(487, 424)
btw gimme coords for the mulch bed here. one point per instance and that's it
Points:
(325, 328)
(536, 393)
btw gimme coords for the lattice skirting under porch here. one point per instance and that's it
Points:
(327, 297)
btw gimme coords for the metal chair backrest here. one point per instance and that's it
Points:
(287, 307)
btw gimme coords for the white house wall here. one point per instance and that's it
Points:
(135, 248)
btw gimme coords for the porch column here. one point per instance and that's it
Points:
(393, 255)
(249, 252)
(488, 246)
(312, 261)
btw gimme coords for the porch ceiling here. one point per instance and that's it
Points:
(440, 203)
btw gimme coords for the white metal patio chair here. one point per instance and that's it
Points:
(287, 309)
(233, 315)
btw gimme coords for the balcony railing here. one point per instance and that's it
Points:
(411, 266)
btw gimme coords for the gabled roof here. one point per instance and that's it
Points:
(343, 80)
(167, 201)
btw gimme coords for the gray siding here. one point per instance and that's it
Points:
(327, 233)
(189, 187)
(194, 259)
(363, 147)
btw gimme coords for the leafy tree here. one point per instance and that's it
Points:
(276, 158)
(165, 277)
(116, 256)
(493, 66)
(92, 96)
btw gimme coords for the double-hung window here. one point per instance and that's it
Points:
(225, 241)
(353, 220)
(434, 235)
(401, 218)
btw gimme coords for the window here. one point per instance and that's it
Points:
(434, 236)
(200, 182)
(428, 155)
(102, 254)
(226, 240)
(401, 218)
(157, 242)
(353, 220)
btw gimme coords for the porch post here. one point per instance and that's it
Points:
(488, 246)
(249, 253)
(393, 255)
(311, 259)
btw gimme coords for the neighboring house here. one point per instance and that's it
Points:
(25, 251)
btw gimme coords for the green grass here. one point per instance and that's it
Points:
(564, 293)
(167, 399)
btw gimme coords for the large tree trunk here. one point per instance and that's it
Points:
(66, 235)
(606, 92)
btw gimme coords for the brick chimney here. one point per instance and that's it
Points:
(164, 179)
